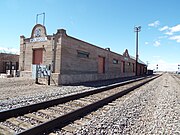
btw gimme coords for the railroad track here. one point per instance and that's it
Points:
(44, 117)
(177, 78)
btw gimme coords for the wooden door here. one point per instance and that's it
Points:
(133, 68)
(123, 66)
(37, 56)
(101, 65)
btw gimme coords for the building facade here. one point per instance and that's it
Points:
(72, 60)
(8, 62)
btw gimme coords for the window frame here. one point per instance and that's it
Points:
(82, 54)
(115, 61)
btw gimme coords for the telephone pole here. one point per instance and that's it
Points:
(137, 29)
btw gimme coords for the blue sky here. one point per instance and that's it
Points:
(105, 23)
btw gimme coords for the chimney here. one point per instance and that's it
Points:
(62, 32)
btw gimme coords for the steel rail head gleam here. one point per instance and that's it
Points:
(72, 116)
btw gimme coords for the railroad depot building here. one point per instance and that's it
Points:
(73, 60)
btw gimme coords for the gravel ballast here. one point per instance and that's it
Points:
(19, 91)
(151, 109)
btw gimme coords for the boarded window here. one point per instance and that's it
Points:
(115, 61)
(82, 54)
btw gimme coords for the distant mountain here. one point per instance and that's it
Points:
(9, 50)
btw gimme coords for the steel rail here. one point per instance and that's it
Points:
(34, 107)
(177, 78)
(74, 115)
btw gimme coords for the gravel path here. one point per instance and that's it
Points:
(151, 109)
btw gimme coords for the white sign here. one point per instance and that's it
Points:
(40, 71)
(38, 39)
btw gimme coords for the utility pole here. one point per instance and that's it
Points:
(137, 29)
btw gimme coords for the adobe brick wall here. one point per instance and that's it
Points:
(72, 64)
(76, 69)
(4, 57)
(49, 46)
(27, 55)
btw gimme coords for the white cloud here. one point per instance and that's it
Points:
(169, 33)
(175, 28)
(157, 43)
(177, 38)
(154, 24)
(146, 43)
(164, 28)
(170, 30)
(9, 50)
(162, 65)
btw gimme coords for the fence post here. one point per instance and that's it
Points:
(10, 68)
(49, 82)
(36, 74)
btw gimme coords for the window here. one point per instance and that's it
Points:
(82, 54)
(115, 61)
(129, 63)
